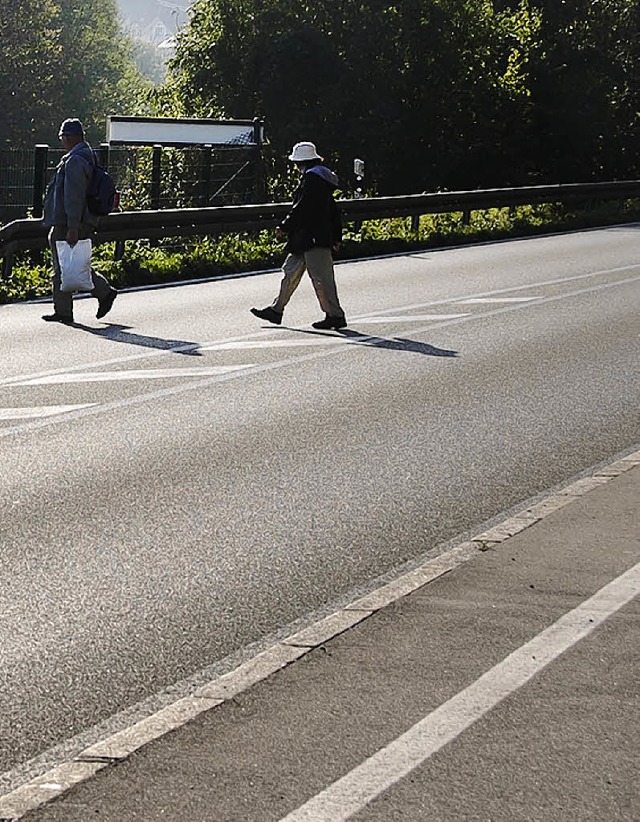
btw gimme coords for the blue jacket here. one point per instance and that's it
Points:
(65, 203)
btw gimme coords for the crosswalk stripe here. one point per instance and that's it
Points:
(39, 411)
(138, 374)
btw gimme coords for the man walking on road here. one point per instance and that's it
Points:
(67, 215)
(313, 231)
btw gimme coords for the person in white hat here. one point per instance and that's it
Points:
(313, 232)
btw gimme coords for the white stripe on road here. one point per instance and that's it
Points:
(320, 339)
(409, 318)
(327, 351)
(137, 374)
(39, 411)
(194, 347)
(355, 790)
(483, 300)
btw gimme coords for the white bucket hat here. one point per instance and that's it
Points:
(302, 152)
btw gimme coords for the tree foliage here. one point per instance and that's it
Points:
(62, 58)
(431, 93)
(29, 54)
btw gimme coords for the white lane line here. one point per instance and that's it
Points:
(483, 300)
(328, 351)
(355, 790)
(184, 705)
(137, 374)
(509, 290)
(408, 318)
(193, 348)
(321, 339)
(39, 411)
(240, 345)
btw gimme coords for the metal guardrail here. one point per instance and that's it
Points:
(29, 234)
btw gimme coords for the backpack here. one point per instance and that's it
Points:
(102, 195)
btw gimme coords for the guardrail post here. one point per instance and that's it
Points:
(415, 223)
(39, 178)
(7, 265)
(155, 177)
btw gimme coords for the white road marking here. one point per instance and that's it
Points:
(328, 351)
(355, 790)
(239, 345)
(138, 374)
(408, 318)
(194, 347)
(40, 411)
(483, 300)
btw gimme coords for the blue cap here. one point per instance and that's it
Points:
(71, 126)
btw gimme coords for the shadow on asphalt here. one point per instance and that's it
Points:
(122, 334)
(391, 343)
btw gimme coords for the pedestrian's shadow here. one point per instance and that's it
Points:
(391, 343)
(122, 334)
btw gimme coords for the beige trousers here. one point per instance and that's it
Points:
(318, 262)
(63, 301)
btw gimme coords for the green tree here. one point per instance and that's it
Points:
(419, 88)
(29, 53)
(585, 87)
(431, 93)
(97, 73)
(63, 58)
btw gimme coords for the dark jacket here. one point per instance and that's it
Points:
(65, 203)
(314, 219)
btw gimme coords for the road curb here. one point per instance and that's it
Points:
(120, 745)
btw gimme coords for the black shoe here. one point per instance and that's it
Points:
(330, 322)
(269, 314)
(57, 318)
(104, 306)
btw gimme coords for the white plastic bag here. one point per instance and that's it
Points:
(75, 265)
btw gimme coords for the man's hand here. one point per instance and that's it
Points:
(336, 247)
(281, 236)
(72, 236)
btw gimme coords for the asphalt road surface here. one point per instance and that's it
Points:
(181, 483)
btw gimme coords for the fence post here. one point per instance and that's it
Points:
(260, 186)
(39, 178)
(155, 177)
(205, 176)
(102, 152)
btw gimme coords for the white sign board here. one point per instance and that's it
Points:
(169, 131)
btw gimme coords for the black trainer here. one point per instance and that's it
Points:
(104, 306)
(57, 318)
(269, 314)
(330, 322)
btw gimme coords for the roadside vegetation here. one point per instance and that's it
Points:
(178, 260)
(433, 95)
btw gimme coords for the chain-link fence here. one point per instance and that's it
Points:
(149, 177)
